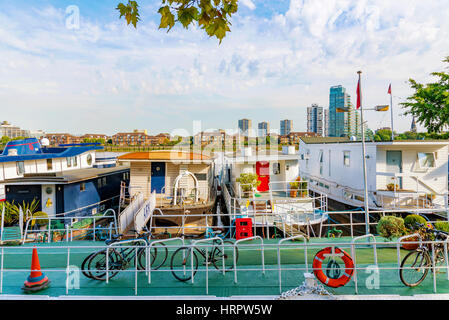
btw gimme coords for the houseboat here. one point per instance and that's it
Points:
(280, 197)
(64, 180)
(401, 175)
(182, 185)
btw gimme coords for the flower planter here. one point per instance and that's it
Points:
(293, 193)
(410, 246)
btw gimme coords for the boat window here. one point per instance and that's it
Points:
(347, 195)
(99, 183)
(82, 186)
(276, 168)
(89, 159)
(201, 176)
(426, 160)
(20, 167)
(49, 164)
(346, 158)
(321, 162)
(75, 161)
(69, 162)
(104, 181)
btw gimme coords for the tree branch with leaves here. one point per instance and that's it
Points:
(430, 102)
(213, 16)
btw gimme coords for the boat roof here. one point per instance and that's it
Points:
(330, 140)
(31, 149)
(237, 157)
(68, 176)
(164, 155)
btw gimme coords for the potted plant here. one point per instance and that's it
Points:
(390, 227)
(392, 187)
(294, 186)
(411, 223)
(248, 182)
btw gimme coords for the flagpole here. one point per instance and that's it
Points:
(391, 109)
(364, 157)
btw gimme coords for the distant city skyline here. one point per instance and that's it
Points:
(279, 59)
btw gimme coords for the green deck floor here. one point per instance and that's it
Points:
(251, 281)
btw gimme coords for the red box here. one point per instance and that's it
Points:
(243, 228)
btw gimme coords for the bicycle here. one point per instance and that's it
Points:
(120, 258)
(183, 256)
(416, 264)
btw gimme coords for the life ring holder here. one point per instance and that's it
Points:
(320, 274)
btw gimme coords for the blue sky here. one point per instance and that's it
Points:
(280, 57)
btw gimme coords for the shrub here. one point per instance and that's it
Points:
(390, 227)
(442, 225)
(411, 220)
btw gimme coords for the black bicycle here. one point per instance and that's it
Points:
(181, 260)
(416, 265)
(95, 265)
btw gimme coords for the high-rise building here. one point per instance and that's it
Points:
(245, 126)
(263, 129)
(316, 120)
(342, 115)
(286, 127)
(326, 123)
(11, 131)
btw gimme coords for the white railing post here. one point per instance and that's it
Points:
(152, 244)
(279, 256)
(67, 272)
(235, 261)
(353, 253)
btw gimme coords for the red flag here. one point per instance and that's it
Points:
(389, 89)
(359, 95)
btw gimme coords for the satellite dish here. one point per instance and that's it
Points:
(45, 142)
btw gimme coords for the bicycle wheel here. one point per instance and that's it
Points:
(83, 266)
(228, 254)
(181, 263)
(158, 256)
(97, 264)
(414, 268)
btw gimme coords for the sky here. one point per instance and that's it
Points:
(101, 76)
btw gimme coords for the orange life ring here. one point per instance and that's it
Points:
(330, 282)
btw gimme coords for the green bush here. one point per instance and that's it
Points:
(390, 227)
(411, 220)
(442, 225)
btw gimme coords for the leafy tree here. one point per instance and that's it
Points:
(430, 102)
(213, 16)
(4, 140)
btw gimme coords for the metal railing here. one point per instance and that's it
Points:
(273, 265)
(68, 230)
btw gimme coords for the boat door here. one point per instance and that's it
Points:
(49, 199)
(157, 176)
(394, 163)
(263, 175)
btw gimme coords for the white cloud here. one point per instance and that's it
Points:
(277, 65)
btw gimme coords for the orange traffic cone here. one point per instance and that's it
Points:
(37, 280)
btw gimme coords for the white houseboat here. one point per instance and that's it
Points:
(182, 185)
(64, 179)
(400, 174)
(281, 198)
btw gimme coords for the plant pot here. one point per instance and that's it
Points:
(410, 246)
(293, 193)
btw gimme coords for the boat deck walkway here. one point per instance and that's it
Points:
(251, 281)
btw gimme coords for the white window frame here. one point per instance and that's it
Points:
(347, 152)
